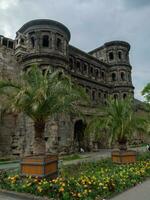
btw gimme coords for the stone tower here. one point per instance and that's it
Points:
(44, 42)
(116, 54)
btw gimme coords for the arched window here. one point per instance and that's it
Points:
(43, 71)
(78, 66)
(124, 96)
(5, 42)
(33, 41)
(93, 95)
(22, 41)
(111, 56)
(115, 96)
(120, 55)
(122, 76)
(45, 41)
(87, 90)
(96, 73)
(99, 95)
(129, 77)
(113, 76)
(91, 70)
(59, 44)
(84, 67)
(71, 63)
(102, 75)
(10, 44)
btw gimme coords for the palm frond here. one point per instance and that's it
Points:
(119, 120)
(41, 95)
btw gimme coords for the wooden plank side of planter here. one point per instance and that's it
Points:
(40, 166)
(124, 157)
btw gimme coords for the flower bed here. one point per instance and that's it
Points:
(85, 181)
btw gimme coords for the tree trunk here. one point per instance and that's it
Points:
(39, 146)
(122, 144)
(123, 147)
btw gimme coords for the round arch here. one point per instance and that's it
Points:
(79, 128)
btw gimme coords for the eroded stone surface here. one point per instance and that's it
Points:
(102, 72)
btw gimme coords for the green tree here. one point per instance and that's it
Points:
(40, 96)
(118, 120)
(146, 94)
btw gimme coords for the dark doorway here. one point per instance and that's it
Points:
(79, 129)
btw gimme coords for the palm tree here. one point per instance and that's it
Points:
(118, 120)
(41, 95)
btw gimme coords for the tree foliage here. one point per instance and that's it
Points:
(40, 95)
(118, 120)
(146, 93)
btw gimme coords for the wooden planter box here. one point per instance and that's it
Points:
(39, 166)
(123, 157)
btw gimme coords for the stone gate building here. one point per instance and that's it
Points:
(103, 71)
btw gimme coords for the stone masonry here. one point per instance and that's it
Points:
(103, 71)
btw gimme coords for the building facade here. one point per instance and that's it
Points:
(103, 71)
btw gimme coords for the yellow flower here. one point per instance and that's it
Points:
(63, 184)
(39, 189)
(79, 195)
(35, 180)
(100, 184)
(61, 189)
(29, 184)
(85, 191)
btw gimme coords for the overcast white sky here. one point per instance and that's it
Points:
(92, 23)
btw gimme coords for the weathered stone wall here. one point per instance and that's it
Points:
(46, 43)
(9, 69)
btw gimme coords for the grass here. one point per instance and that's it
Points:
(71, 157)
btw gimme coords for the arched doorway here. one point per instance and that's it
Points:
(79, 128)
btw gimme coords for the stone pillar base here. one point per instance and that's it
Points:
(123, 157)
(39, 166)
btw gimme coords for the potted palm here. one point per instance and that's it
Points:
(120, 121)
(39, 96)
